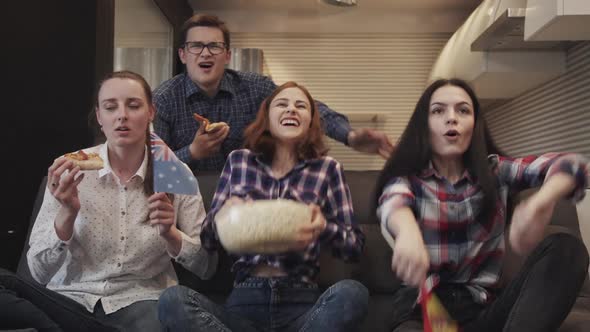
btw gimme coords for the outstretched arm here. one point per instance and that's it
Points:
(410, 260)
(562, 175)
(366, 140)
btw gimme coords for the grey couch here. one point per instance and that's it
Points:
(373, 270)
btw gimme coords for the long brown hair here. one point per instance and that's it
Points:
(258, 138)
(148, 183)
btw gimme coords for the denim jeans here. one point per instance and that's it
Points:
(267, 304)
(141, 316)
(29, 305)
(538, 299)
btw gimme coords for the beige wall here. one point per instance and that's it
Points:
(360, 75)
(361, 62)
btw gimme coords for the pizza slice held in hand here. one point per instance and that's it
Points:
(209, 127)
(86, 161)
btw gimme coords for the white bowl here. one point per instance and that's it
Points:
(262, 226)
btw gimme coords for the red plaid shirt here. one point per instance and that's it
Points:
(463, 249)
(320, 181)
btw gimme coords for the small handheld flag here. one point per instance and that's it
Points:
(434, 315)
(170, 174)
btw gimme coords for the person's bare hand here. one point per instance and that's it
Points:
(63, 183)
(161, 213)
(410, 261)
(308, 233)
(205, 144)
(371, 141)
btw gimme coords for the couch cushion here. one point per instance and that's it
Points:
(362, 189)
(374, 268)
(207, 186)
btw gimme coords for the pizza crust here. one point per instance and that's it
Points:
(212, 127)
(89, 165)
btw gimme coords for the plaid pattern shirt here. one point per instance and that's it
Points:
(237, 102)
(320, 181)
(463, 249)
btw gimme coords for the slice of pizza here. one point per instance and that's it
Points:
(86, 161)
(209, 127)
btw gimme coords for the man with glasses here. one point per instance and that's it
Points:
(224, 95)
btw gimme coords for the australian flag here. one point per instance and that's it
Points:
(170, 174)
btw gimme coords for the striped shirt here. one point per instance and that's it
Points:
(237, 103)
(320, 181)
(463, 249)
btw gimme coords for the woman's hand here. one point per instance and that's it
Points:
(65, 190)
(161, 213)
(65, 187)
(410, 261)
(309, 233)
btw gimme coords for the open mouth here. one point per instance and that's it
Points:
(122, 128)
(452, 133)
(206, 64)
(290, 122)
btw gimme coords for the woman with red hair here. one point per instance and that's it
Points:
(285, 158)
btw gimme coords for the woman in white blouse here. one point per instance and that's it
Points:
(103, 238)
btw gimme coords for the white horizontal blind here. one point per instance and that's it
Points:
(552, 117)
(354, 73)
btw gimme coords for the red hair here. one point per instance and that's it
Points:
(258, 138)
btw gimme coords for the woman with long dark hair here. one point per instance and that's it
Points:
(441, 201)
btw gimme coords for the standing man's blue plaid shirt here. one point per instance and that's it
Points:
(319, 181)
(237, 103)
(463, 249)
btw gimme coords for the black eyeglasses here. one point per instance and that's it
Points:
(198, 47)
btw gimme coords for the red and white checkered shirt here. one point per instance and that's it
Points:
(463, 249)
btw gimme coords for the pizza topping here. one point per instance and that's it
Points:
(205, 122)
(201, 119)
(80, 155)
(83, 155)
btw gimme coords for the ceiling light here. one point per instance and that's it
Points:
(343, 3)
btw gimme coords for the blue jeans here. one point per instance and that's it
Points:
(141, 316)
(267, 304)
(538, 299)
